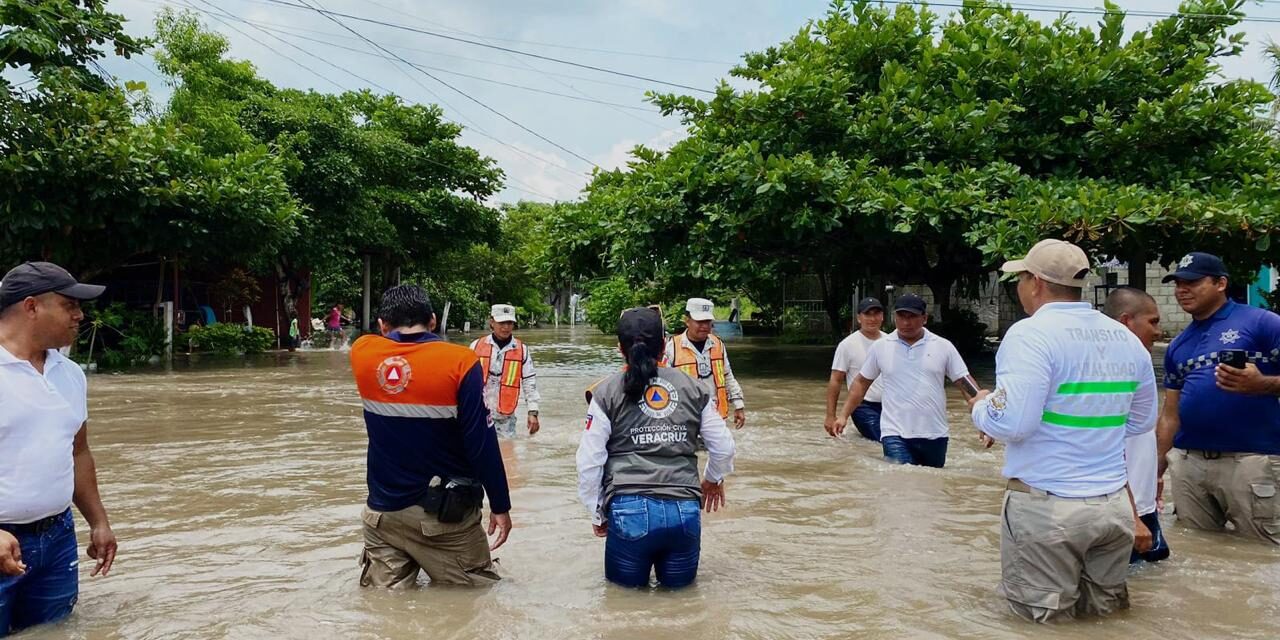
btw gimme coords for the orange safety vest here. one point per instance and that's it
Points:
(688, 363)
(512, 372)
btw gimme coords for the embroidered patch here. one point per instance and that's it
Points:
(996, 403)
(394, 374)
(1229, 336)
(660, 399)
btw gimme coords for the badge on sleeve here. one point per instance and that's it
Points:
(996, 403)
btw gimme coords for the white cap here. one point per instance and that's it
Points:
(700, 309)
(503, 313)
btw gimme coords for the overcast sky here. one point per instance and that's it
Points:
(689, 42)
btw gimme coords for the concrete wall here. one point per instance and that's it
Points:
(998, 310)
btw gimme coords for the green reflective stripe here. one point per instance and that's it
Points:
(1084, 422)
(1120, 386)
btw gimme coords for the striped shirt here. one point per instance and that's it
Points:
(1071, 384)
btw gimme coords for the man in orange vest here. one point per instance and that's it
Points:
(433, 456)
(703, 356)
(510, 372)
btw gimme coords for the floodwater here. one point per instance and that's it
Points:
(235, 489)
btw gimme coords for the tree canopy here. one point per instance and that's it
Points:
(888, 142)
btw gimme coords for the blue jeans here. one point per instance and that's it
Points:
(48, 590)
(926, 452)
(867, 419)
(1159, 546)
(653, 534)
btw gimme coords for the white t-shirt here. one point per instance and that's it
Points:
(914, 378)
(39, 418)
(850, 354)
(1140, 463)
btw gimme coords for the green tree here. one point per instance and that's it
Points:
(889, 143)
(375, 176)
(87, 182)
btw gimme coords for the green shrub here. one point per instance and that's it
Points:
(230, 339)
(117, 337)
(607, 301)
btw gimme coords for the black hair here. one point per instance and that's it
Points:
(405, 305)
(642, 365)
(1126, 300)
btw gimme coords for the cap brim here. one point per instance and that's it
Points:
(504, 318)
(699, 317)
(82, 291)
(1189, 276)
(1014, 266)
(909, 310)
(874, 307)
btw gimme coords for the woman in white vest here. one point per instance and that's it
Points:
(638, 466)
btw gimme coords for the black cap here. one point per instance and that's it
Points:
(1196, 265)
(868, 304)
(36, 278)
(909, 302)
(640, 324)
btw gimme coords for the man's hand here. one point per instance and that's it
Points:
(1247, 380)
(500, 522)
(601, 530)
(534, 425)
(827, 424)
(986, 440)
(712, 496)
(739, 418)
(1142, 538)
(835, 428)
(1160, 495)
(982, 393)
(10, 556)
(102, 547)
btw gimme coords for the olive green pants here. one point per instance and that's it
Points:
(1063, 557)
(399, 543)
(1211, 489)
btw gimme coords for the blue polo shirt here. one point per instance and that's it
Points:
(1217, 420)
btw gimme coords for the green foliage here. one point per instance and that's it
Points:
(230, 339)
(116, 337)
(607, 301)
(374, 174)
(88, 181)
(885, 143)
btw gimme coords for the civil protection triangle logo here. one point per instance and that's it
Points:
(394, 374)
(660, 399)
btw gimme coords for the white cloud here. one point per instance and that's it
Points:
(619, 154)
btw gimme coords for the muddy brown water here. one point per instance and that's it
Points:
(235, 489)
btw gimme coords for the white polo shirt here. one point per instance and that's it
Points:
(850, 354)
(39, 418)
(914, 378)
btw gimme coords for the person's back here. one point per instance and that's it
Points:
(1093, 368)
(432, 453)
(638, 465)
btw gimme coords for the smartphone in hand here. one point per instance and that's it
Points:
(1233, 358)
(968, 387)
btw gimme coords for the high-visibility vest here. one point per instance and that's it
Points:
(512, 372)
(687, 362)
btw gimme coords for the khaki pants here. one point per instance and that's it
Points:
(1062, 557)
(1210, 490)
(398, 543)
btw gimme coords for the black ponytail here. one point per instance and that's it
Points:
(642, 366)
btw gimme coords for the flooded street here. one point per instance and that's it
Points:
(236, 488)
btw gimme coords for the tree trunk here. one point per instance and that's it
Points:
(941, 283)
(833, 296)
(289, 289)
(1138, 269)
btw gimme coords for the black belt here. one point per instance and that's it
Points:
(1214, 455)
(34, 528)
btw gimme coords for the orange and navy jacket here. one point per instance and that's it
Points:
(424, 410)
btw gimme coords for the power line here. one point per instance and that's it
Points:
(263, 44)
(530, 67)
(457, 90)
(388, 91)
(549, 44)
(584, 98)
(332, 14)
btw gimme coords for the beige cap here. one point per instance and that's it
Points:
(700, 309)
(503, 313)
(1055, 261)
